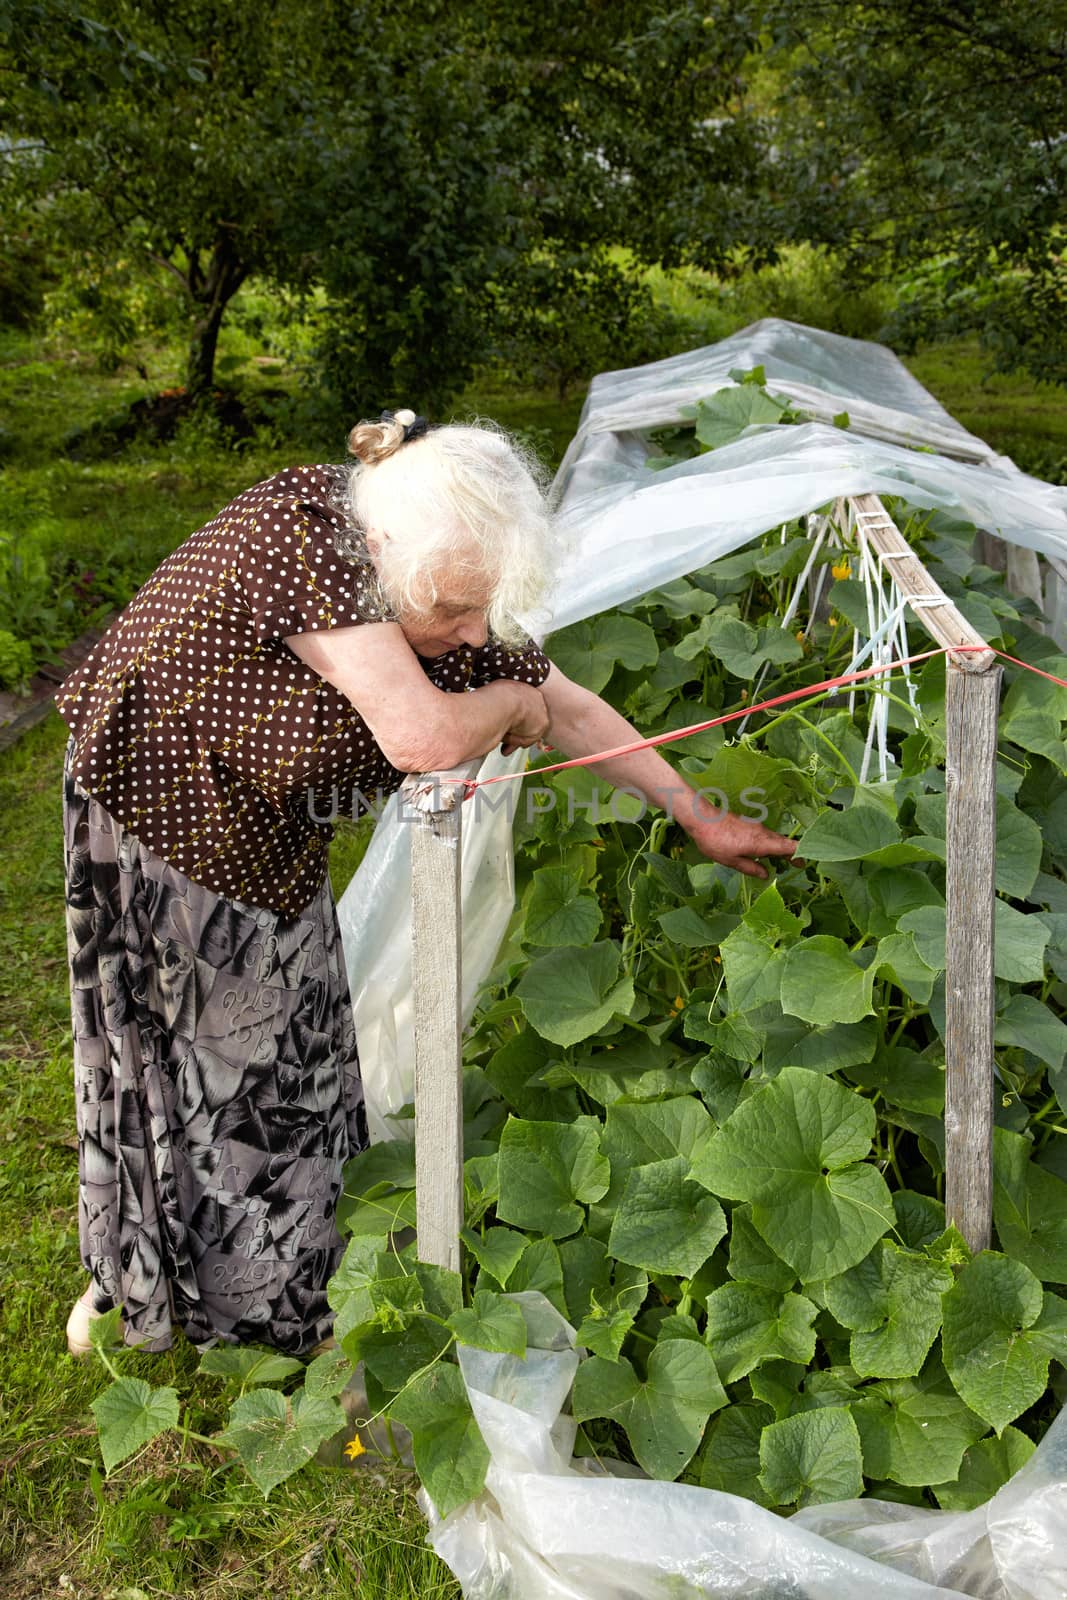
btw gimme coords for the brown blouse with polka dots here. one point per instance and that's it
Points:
(200, 731)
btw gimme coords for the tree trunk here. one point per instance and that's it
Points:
(200, 366)
(211, 292)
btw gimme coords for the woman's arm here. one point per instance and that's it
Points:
(580, 723)
(418, 727)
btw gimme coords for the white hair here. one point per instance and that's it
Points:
(462, 498)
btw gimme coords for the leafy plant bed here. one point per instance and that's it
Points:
(704, 1115)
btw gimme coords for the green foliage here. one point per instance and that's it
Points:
(131, 1413)
(466, 204)
(664, 1416)
(723, 1141)
(811, 1457)
(939, 160)
(17, 661)
(274, 1436)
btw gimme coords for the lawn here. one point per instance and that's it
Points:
(177, 1519)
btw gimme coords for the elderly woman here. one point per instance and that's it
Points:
(313, 638)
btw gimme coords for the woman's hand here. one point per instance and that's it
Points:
(735, 841)
(582, 724)
(530, 724)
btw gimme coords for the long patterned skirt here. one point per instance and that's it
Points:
(218, 1095)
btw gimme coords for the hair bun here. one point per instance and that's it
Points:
(371, 442)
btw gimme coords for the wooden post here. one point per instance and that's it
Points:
(971, 704)
(972, 696)
(433, 805)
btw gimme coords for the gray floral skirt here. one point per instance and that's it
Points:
(218, 1095)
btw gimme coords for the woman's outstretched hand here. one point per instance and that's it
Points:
(737, 841)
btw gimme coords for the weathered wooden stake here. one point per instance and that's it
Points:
(435, 810)
(971, 704)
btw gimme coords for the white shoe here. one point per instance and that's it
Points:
(82, 1313)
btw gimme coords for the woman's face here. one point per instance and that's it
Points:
(445, 626)
(456, 615)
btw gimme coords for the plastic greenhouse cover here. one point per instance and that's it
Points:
(548, 1527)
(630, 528)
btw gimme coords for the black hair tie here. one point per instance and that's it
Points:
(412, 430)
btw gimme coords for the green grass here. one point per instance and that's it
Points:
(1020, 418)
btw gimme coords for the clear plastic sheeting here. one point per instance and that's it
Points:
(824, 373)
(630, 528)
(375, 917)
(549, 1527)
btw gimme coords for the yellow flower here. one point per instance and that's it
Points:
(833, 622)
(355, 1448)
(679, 1003)
(842, 570)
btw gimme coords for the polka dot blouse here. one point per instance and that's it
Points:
(200, 731)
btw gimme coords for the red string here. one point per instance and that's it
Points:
(807, 693)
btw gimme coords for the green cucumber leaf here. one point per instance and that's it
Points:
(811, 1458)
(539, 1268)
(793, 1043)
(821, 983)
(327, 1375)
(914, 1430)
(748, 1325)
(493, 1322)
(751, 1258)
(1000, 1330)
(450, 1454)
(848, 835)
(105, 1330)
(753, 968)
(664, 1221)
(588, 651)
(664, 1417)
(1031, 1025)
(777, 1385)
(129, 1414)
(349, 1290)
(920, 1218)
(1029, 1208)
(685, 926)
(548, 1171)
(730, 1461)
(795, 1149)
(637, 1134)
(898, 956)
(393, 1355)
(274, 1437)
(986, 1467)
(610, 1312)
(497, 1251)
(724, 416)
(892, 1302)
(557, 912)
(1019, 949)
(248, 1364)
(770, 916)
(571, 993)
(1019, 841)
(389, 1165)
(895, 891)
